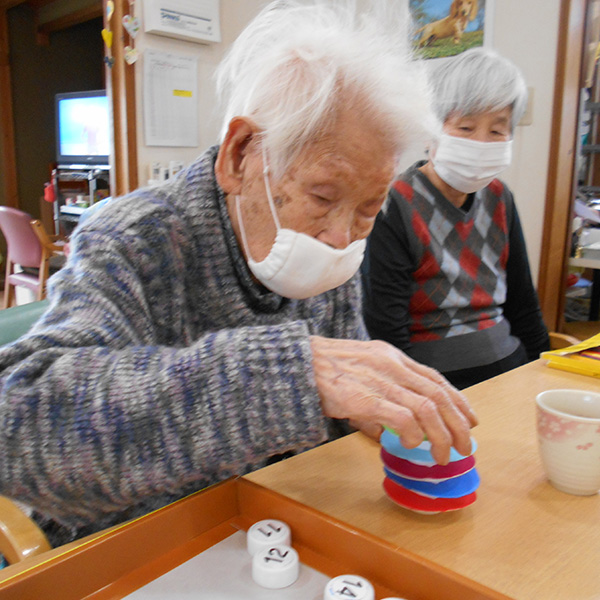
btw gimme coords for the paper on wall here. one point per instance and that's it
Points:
(170, 99)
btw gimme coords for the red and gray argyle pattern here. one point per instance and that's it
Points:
(460, 281)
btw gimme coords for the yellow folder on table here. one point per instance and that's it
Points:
(577, 358)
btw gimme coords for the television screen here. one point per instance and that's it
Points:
(82, 128)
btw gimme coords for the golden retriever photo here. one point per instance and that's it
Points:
(448, 27)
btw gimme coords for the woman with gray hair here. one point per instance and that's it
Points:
(447, 277)
(204, 326)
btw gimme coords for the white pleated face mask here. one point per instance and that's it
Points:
(299, 266)
(469, 165)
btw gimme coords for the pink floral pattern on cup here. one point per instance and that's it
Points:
(584, 446)
(568, 425)
(557, 429)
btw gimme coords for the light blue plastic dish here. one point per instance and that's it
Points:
(421, 454)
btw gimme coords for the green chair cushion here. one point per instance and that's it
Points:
(16, 321)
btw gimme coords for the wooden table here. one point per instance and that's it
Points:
(522, 537)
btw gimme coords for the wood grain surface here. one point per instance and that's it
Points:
(522, 537)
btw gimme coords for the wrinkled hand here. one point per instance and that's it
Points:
(374, 384)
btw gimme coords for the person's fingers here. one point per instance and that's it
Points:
(418, 418)
(412, 425)
(451, 404)
(427, 382)
(433, 407)
(458, 399)
(375, 384)
(438, 408)
(413, 422)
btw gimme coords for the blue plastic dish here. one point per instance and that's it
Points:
(450, 488)
(421, 454)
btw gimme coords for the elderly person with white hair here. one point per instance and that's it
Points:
(205, 326)
(447, 278)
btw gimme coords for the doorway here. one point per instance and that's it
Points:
(70, 61)
(562, 182)
(582, 303)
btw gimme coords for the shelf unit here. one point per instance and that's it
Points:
(77, 187)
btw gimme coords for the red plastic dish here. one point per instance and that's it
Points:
(413, 501)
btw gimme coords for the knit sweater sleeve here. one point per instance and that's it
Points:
(388, 277)
(99, 411)
(522, 309)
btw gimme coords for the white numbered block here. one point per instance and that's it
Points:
(349, 587)
(269, 532)
(275, 567)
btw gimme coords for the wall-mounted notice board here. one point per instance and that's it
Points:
(191, 20)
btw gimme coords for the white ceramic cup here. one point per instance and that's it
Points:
(568, 426)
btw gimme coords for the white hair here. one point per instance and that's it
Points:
(298, 62)
(476, 81)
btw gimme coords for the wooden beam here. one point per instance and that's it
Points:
(556, 240)
(121, 89)
(7, 142)
(6, 4)
(74, 18)
(131, 109)
(37, 4)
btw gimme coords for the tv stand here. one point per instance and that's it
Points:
(77, 187)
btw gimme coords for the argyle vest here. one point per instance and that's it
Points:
(460, 280)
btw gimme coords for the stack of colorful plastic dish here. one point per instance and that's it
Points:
(415, 481)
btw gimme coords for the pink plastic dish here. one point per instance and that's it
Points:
(410, 470)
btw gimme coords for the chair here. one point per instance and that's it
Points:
(20, 537)
(30, 247)
(561, 340)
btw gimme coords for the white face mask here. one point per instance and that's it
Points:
(298, 265)
(469, 165)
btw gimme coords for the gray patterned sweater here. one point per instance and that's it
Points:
(160, 367)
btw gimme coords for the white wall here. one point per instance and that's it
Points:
(234, 15)
(526, 31)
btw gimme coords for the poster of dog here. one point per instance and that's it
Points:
(448, 27)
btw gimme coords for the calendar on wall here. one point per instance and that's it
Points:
(191, 20)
